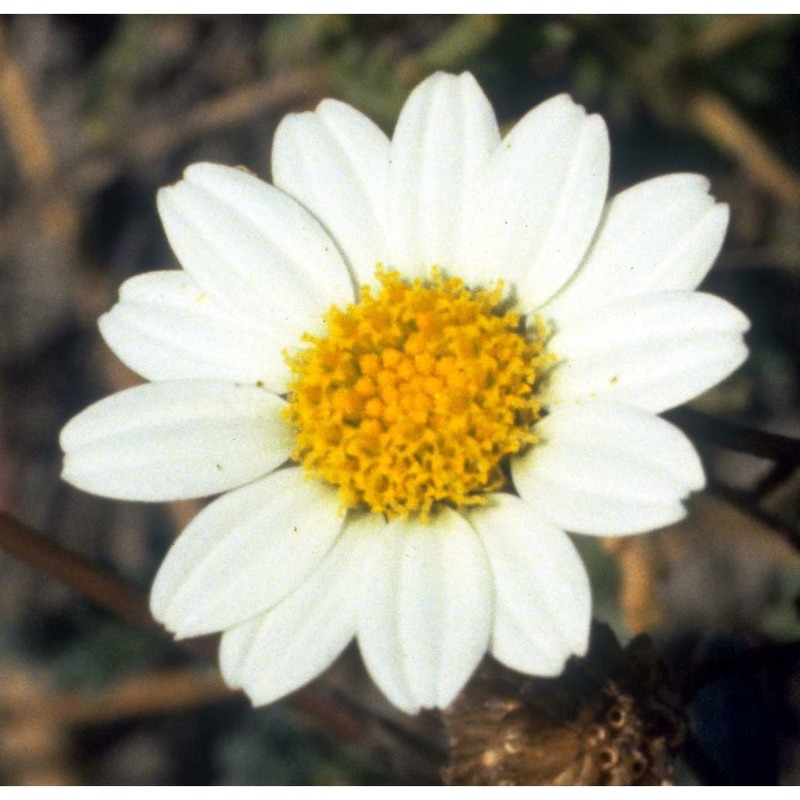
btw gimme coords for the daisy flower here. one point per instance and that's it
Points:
(408, 367)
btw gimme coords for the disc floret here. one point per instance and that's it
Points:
(416, 395)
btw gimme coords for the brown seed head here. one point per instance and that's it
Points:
(612, 718)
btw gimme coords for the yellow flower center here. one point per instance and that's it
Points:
(416, 395)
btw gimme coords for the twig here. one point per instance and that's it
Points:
(30, 145)
(746, 503)
(222, 112)
(128, 603)
(654, 71)
(156, 693)
(723, 32)
(734, 436)
(152, 693)
(27, 137)
(774, 479)
(99, 167)
(720, 122)
(783, 450)
(76, 572)
(343, 718)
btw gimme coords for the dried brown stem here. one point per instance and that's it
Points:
(721, 123)
(152, 693)
(230, 109)
(734, 436)
(26, 134)
(30, 144)
(340, 718)
(747, 503)
(157, 693)
(655, 73)
(777, 477)
(726, 31)
(128, 603)
(78, 573)
(100, 167)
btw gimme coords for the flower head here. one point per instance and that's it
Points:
(409, 367)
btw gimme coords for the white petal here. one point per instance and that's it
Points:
(425, 610)
(378, 619)
(606, 469)
(336, 162)
(543, 603)
(245, 552)
(284, 648)
(443, 140)
(175, 440)
(658, 235)
(654, 351)
(541, 201)
(166, 328)
(254, 249)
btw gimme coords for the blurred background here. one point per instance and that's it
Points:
(96, 113)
